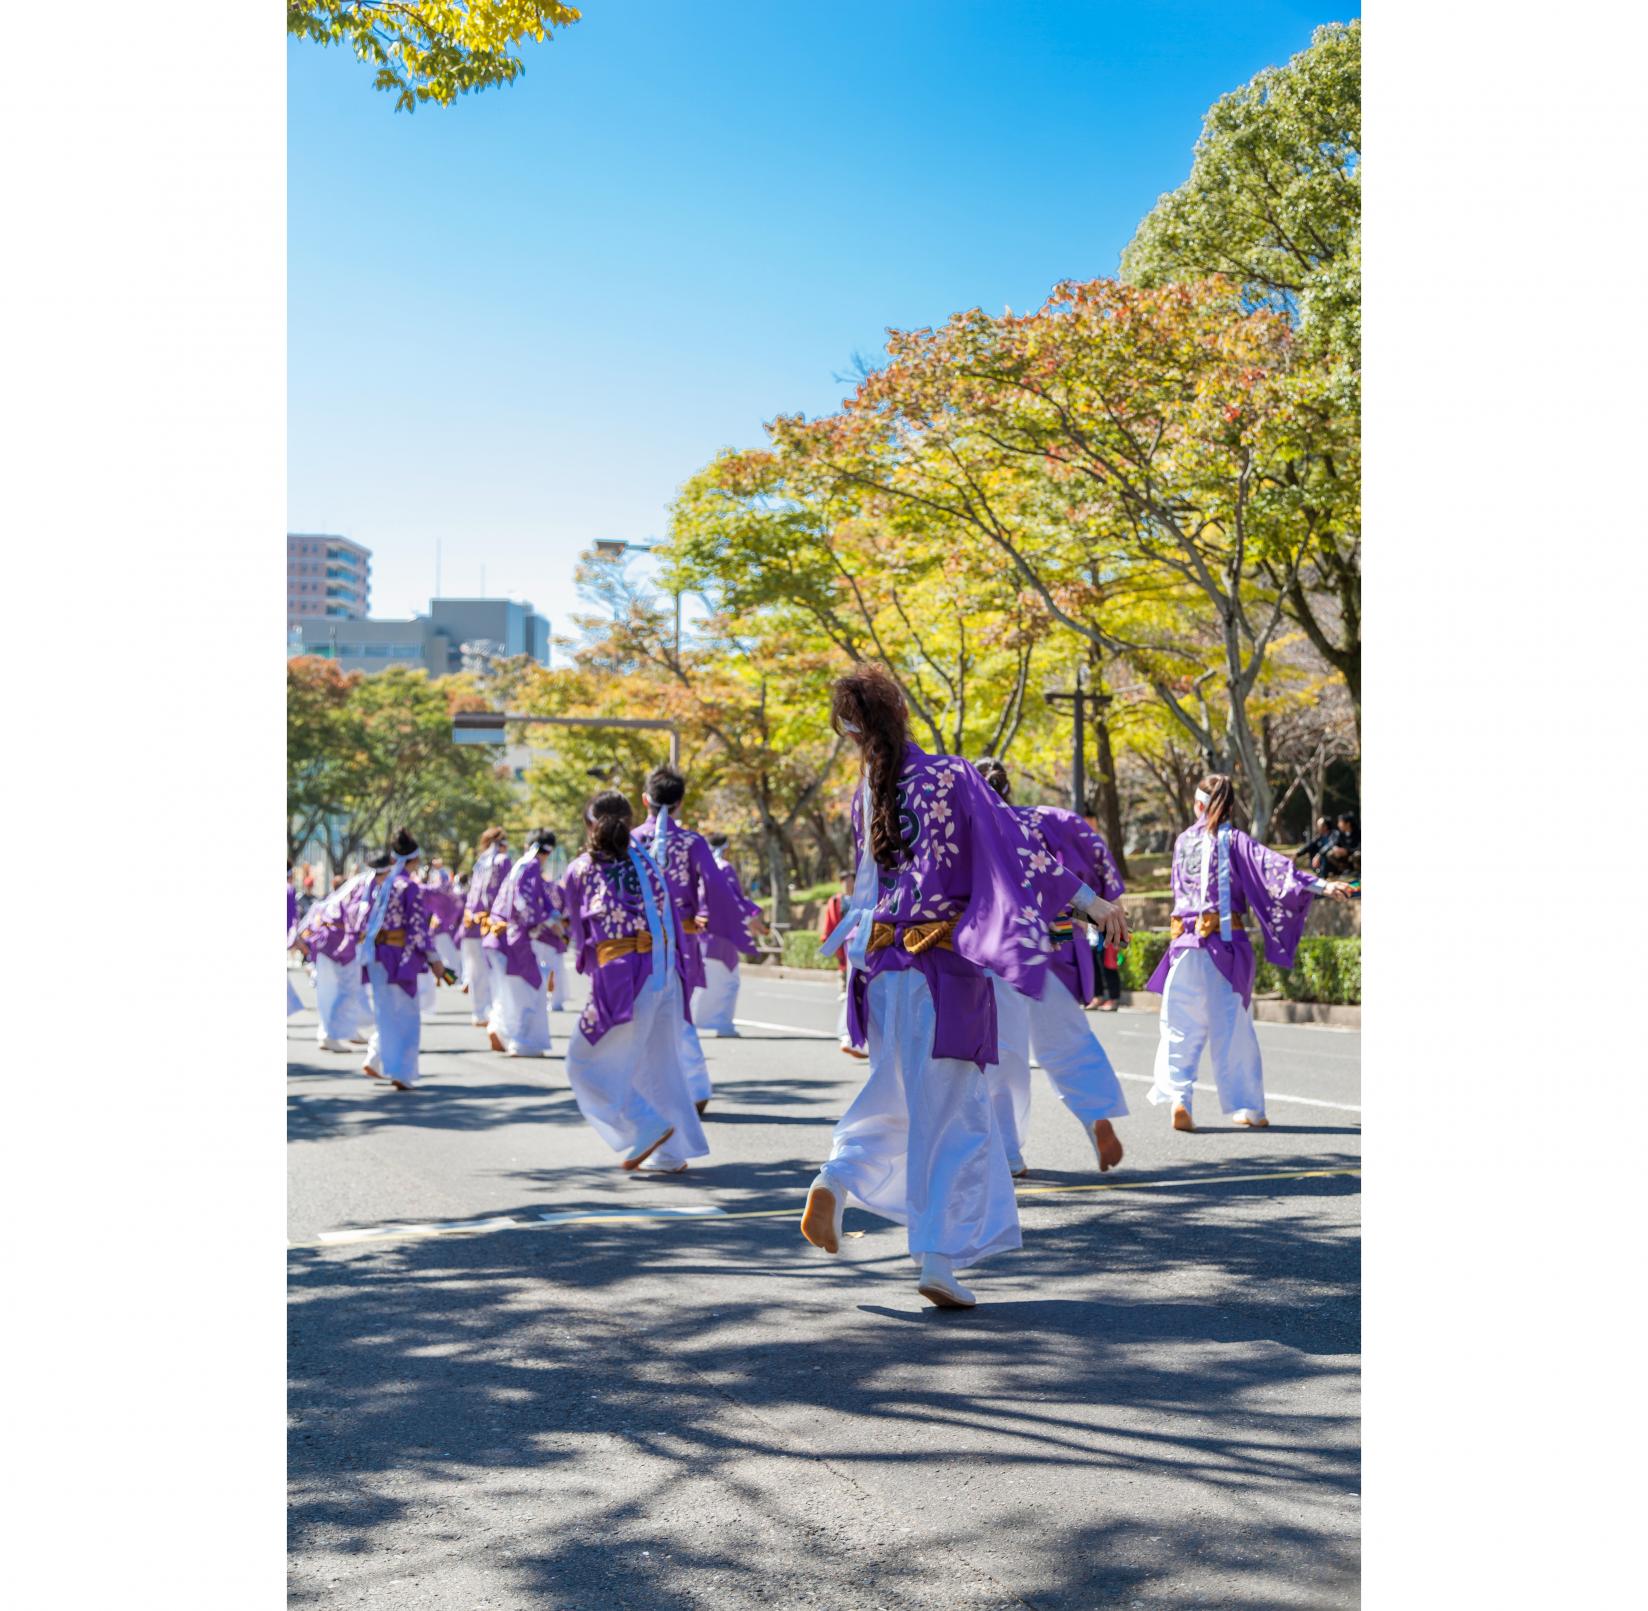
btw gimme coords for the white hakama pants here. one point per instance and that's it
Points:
(392, 1049)
(697, 1071)
(1009, 1076)
(920, 1144)
(561, 966)
(498, 970)
(341, 1000)
(1072, 1057)
(630, 1085)
(1200, 1009)
(716, 1000)
(477, 974)
(446, 951)
(294, 1002)
(525, 1029)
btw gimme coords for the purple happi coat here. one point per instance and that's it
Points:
(485, 880)
(526, 903)
(291, 915)
(1082, 851)
(1265, 887)
(966, 855)
(333, 927)
(444, 910)
(698, 889)
(603, 901)
(403, 963)
(727, 952)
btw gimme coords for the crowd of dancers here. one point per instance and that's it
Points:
(964, 935)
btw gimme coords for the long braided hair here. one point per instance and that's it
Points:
(869, 700)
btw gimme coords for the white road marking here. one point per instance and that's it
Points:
(796, 1031)
(1270, 1096)
(1143, 1079)
(630, 1213)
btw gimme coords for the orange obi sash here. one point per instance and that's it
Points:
(1207, 925)
(610, 950)
(915, 939)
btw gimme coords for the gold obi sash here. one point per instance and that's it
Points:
(391, 936)
(493, 925)
(696, 925)
(1207, 925)
(475, 920)
(610, 950)
(915, 939)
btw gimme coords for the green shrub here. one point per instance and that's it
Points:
(1139, 960)
(1327, 969)
(801, 950)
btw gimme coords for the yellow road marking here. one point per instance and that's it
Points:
(423, 1233)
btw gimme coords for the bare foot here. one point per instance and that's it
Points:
(1181, 1117)
(370, 1072)
(636, 1159)
(1106, 1144)
(496, 1039)
(1260, 1123)
(400, 1085)
(821, 1219)
(701, 1106)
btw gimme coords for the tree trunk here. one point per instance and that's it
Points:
(778, 869)
(1110, 799)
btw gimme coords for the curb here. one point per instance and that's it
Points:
(1266, 1009)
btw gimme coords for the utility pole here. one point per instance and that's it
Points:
(1079, 700)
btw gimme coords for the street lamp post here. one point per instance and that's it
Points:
(615, 548)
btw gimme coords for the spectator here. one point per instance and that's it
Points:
(1343, 856)
(1107, 976)
(834, 907)
(1324, 837)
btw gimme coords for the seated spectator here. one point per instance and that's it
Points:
(1343, 856)
(1324, 837)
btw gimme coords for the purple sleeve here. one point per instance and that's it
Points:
(723, 910)
(417, 920)
(1278, 895)
(1016, 886)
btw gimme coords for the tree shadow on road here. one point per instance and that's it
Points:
(1155, 1396)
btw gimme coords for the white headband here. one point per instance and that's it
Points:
(1202, 797)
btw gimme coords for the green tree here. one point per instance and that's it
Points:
(431, 50)
(1274, 200)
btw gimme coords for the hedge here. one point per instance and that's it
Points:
(801, 950)
(1327, 968)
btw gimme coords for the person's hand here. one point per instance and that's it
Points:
(1340, 891)
(1116, 931)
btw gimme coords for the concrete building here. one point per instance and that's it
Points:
(434, 641)
(327, 577)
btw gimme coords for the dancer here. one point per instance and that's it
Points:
(949, 883)
(703, 898)
(715, 1002)
(523, 918)
(1054, 1026)
(398, 952)
(294, 1002)
(624, 1060)
(330, 936)
(485, 879)
(1222, 880)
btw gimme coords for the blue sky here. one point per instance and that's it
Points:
(519, 323)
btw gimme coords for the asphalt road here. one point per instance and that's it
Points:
(659, 1397)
